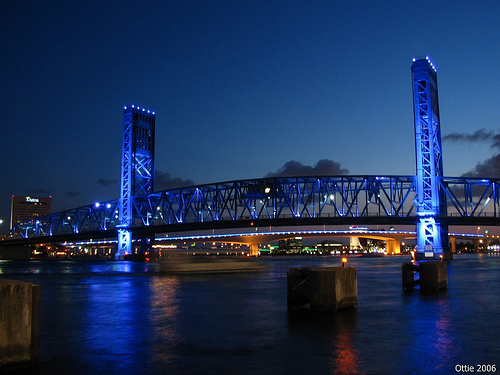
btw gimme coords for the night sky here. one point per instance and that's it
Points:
(241, 89)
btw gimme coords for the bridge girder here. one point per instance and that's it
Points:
(326, 200)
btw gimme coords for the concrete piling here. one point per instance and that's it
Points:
(298, 287)
(408, 273)
(326, 288)
(432, 276)
(20, 310)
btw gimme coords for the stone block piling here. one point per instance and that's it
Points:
(326, 288)
(20, 310)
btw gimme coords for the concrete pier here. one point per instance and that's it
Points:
(327, 288)
(20, 309)
(298, 287)
(432, 276)
(408, 271)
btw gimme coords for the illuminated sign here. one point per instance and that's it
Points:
(32, 200)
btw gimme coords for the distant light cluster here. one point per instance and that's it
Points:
(138, 108)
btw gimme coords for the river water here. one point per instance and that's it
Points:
(106, 317)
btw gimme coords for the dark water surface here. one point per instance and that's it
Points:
(106, 317)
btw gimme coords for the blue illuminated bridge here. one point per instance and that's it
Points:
(271, 202)
(427, 200)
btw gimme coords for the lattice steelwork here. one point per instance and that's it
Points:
(98, 217)
(346, 198)
(471, 197)
(430, 204)
(137, 169)
(314, 197)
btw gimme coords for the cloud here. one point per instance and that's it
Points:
(106, 182)
(477, 136)
(41, 192)
(72, 193)
(496, 141)
(163, 181)
(323, 167)
(490, 168)
(481, 135)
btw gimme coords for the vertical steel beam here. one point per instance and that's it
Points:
(431, 235)
(137, 169)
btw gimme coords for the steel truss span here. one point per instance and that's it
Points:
(341, 200)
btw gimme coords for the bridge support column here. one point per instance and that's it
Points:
(431, 201)
(476, 246)
(137, 171)
(124, 244)
(453, 242)
(254, 249)
(486, 243)
(429, 243)
(393, 246)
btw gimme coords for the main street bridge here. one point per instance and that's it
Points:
(272, 202)
(427, 200)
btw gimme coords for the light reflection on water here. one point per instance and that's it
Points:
(124, 317)
(164, 321)
(346, 356)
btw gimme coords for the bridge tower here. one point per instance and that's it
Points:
(432, 236)
(137, 169)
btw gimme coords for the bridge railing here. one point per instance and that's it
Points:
(273, 198)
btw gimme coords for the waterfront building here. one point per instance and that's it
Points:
(26, 208)
(328, 247)
(291, 245)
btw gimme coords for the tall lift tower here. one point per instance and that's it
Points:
(432, 236)
(137, 169)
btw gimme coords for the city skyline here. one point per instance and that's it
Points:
(319, 88)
